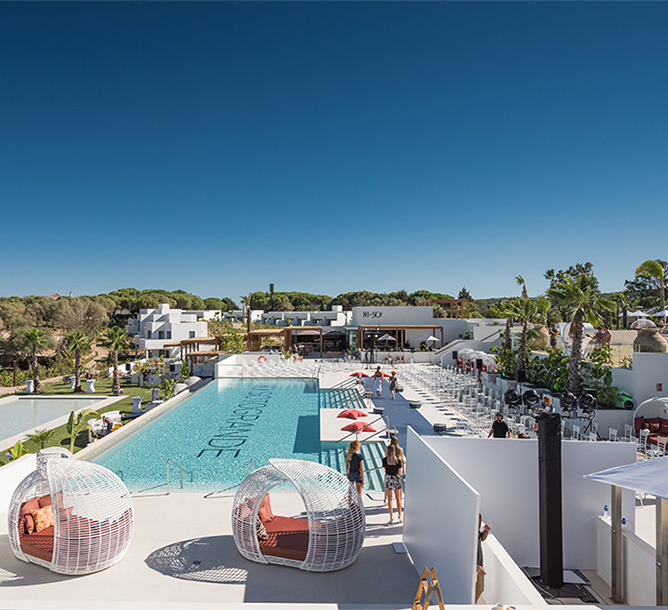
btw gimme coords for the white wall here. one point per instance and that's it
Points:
(441, 521)
(505, 473)
(638, 561)
(11, 475)
(505, 583)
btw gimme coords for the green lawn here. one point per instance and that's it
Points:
(61, 438)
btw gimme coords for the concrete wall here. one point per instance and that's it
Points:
(441, 521)
(505, 473)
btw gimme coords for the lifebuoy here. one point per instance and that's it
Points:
(262, 359)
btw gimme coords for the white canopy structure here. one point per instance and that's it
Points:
(652, 407)
(329, 538)
(650, 477)
(91, 520)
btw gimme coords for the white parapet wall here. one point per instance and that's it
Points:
(638, 561)
(505, 473)
(441, 528)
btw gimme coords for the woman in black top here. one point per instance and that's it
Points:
(393, 466)
(355, 465)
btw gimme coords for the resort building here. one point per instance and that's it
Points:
(153, 329)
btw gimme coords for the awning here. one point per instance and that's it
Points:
(650, 477)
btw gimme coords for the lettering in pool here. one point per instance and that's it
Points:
(235, 431)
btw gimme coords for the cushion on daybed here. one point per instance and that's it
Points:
(44, 501)
(265, 513)
(38, 544)
(288, 538)
(28, 507)
(638, 424)
(28, 524)
(351, 414)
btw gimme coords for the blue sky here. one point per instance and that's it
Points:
(329, 147)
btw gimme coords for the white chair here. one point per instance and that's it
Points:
(628, 433)
(576, 433)
(592, 436)
(612, 434)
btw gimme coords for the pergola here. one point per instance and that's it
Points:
(255, 336)
(398, 329)
(456, 308)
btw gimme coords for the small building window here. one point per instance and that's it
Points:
(148, 334)
(161, 334)
(169, 334)
(191, 334)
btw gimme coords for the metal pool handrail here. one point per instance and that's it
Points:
(181, 471)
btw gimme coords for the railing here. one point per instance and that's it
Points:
(181, 471)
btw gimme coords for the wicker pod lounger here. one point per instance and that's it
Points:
(92, 515)
(329, 538)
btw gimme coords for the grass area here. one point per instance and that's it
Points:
(61, 437)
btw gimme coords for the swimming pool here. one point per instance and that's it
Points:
(215, 433)
(19, 414)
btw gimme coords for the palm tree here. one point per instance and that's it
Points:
(42, 437)
(77, 344)
(77, 423)
(35, 341)
(508, 310)
(117, 342)
(583, 303)
(520, 280)
(654, 270)
(531, 310)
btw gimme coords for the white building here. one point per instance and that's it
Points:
(335, 317)
(153, 328)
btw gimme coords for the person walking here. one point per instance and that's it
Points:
(378, 382)
(355, 465)
(393, 467)
(499, 427)
(394, 382)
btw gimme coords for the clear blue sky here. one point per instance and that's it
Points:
(217, 147)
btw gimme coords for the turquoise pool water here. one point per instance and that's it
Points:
(215, 433)
(23, 413)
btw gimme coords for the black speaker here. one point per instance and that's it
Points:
(478, 364)
(512, 398)
(454, 355)
(549, 499)
(531, 398)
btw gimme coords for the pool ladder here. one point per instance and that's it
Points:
(181, 471)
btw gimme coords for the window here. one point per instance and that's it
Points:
(191, 334)
(148, 334)
(169, 334)
(161, 334)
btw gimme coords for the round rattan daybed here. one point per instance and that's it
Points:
(329, 538)
(89, 524)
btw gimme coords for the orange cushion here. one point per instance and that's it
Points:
(654, 427)
(349, 414)
(43, 518)
(264, 512)
(28, 507)
(358, 426)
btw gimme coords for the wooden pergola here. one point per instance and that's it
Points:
(455, 308)
(193, 345)
(399, 331)
(192, 357)
(255, 336)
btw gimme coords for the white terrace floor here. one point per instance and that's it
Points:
(173, 533)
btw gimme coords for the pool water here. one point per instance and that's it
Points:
(20, 414)
(215, 434)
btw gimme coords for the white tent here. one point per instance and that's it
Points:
(428, 338)
(386, 337)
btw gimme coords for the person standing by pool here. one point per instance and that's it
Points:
(393, 384)
(378, 382)
(355, 466)
(393, 466)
